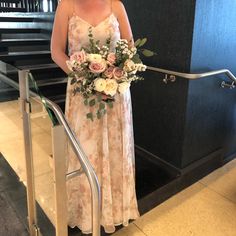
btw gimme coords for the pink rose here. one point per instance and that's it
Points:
(118, 73)
(109, 72)
(79, 57)
(98, 67)
(111, 58)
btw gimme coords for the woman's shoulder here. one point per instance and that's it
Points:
(118, 7)
(65, 6)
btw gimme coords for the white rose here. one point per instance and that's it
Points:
(111, 87)
(94, 57)
(100, 84)
(129, 65)
(123, 87)
(140, 67)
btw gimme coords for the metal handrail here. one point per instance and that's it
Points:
(191, 76)
(85, 164)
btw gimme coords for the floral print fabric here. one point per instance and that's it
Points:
(108, 143)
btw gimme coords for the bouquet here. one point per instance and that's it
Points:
(99, 73)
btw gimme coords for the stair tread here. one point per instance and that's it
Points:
(24, 53)
(12, 9)
(10, 1)
(24, 40)
(60, 80)
(6, 17)
(58, 98)
(39, 66)
(6, 29)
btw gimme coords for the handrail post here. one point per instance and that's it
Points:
(24, 98)
(59, 170)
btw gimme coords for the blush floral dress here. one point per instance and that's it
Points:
(108, 143)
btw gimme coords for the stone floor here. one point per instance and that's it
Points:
(205, 208)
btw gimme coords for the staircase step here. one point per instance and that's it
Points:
(18, 42)
(5, 17)
(52, 87)
(58, 98)
(39, 67)
(14, 56)
(6, 30)
(53, 81)
(12, 9)
(10, 1)
(44, 71)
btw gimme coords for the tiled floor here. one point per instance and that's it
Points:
(207, 208)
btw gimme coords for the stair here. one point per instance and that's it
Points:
(12, 6)
(13, 9)
(5, 17)
(24, 45)
(23, 42)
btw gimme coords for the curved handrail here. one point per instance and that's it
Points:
(190, 76)
(85, 164)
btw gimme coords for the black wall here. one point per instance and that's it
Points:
(211, 110)
(159, 109)
(187, 120)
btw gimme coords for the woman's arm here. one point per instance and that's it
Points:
(125, 29)
(59, 35)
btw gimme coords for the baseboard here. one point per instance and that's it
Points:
(188, 176)
(229, 158)
(157, 160)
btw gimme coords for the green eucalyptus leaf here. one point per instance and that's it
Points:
(147, 53)
(137, 42)
(143, 41)
(136, 59)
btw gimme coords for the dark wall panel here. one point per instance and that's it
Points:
(159, 109)
(211, 110)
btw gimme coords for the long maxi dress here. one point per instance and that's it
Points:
(108, 143)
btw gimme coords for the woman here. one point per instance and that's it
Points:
(107, 142)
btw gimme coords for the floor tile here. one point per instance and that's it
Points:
(9, 221)
(223, 181)
(196, 211)
(131, 230)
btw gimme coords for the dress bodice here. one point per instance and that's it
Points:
(78, 30)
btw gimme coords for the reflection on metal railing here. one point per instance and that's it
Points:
(85, 164)
(170, 76)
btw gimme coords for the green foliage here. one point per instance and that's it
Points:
(147, 53)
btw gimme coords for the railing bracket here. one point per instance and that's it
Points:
(169, 78)
(36, 230)
(225, 84)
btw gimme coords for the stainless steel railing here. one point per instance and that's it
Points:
(85, 164)
(171, 75)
